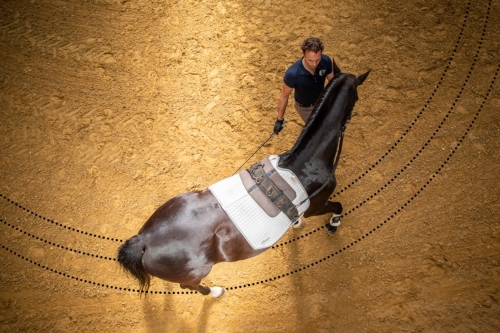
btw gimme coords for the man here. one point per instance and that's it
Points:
(307, 76)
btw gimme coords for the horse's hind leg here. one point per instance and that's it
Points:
(199, 288)
(214, 291)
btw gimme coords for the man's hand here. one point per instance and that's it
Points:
(278, 126)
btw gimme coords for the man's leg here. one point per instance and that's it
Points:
(303, 112)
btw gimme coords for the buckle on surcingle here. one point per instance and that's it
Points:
(269, 188)
(253, 169)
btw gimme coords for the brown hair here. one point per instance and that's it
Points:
(312, 44)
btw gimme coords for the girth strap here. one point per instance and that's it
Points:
(267, 186)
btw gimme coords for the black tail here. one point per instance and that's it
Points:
(130, 257)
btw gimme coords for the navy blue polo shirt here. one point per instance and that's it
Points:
(308, 87)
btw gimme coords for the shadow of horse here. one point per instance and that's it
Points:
(191, 232)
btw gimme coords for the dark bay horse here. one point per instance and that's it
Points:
(190, 233)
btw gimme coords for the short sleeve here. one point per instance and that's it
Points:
(289, 78)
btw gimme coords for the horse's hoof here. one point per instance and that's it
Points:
(335, 220)
(217, 292)
(331, 229)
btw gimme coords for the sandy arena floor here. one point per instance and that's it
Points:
(108, 108)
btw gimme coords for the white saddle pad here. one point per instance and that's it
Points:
(258, 228)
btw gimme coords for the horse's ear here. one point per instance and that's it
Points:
(360, 79)
(336, 69)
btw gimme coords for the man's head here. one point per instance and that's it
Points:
(312, 44)
(312, 48)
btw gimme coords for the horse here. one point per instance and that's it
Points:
(190, 233)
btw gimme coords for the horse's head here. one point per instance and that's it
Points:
(332, 111)
(338, 98)
(358, 81)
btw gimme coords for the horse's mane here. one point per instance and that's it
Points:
(317, 114)
(327, 93)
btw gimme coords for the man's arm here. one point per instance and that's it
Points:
(330, 76)
(283, 101)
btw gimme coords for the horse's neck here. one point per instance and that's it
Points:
(313, 157)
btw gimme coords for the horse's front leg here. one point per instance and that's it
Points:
(214, 291)
(330, 207)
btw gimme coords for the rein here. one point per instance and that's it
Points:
(262, 145)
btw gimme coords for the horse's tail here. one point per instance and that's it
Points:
(130, 258)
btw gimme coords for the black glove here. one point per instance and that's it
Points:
(278, 126)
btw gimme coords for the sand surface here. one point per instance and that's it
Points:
(109, 108)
